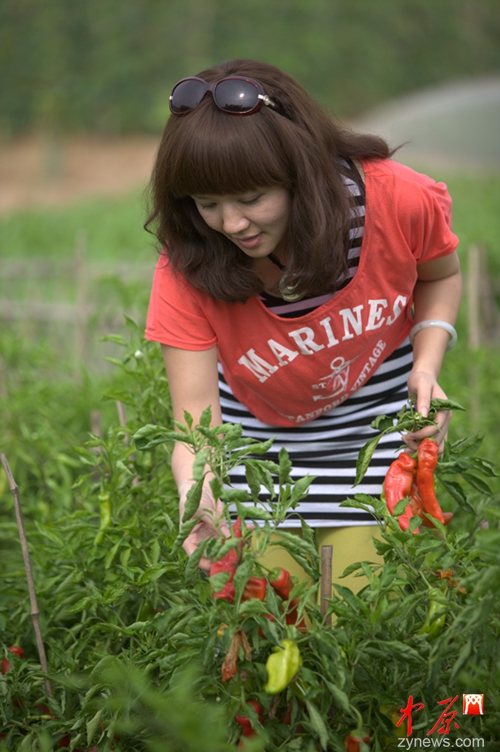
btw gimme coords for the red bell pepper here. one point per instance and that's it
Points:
(283, 585)
(255, 587)
(5, 663)
(227, 563)
(245, 722)
(353, 739)
(291, 616)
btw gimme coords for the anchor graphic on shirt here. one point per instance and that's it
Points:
(336, 381)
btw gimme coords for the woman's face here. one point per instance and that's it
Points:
(256, 221)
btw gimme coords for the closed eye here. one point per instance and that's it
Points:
(251, 200)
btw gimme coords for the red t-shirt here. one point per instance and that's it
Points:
(289, 371)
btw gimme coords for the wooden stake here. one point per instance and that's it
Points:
(4, 394)
(474, 326)
(35, 614)
(82, 303)
(122, 417)
(326, 582)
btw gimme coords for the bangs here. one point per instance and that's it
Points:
(213, 153)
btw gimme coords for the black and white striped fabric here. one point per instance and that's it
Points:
(328, 446)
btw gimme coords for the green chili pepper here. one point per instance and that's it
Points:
(105, 510)
(282, 667)
(436, 616)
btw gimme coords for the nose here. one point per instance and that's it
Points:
(233, 219)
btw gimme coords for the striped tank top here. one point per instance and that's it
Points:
(328, 446)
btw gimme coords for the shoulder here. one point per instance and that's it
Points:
(411, 191)
(168, 282)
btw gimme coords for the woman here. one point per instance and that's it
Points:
(294, 250)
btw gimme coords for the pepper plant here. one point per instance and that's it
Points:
(144, 655)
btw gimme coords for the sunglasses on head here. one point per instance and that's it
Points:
(234, 94)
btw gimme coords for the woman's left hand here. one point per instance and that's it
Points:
(425, 387)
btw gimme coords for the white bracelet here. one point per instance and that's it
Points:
(441, 324)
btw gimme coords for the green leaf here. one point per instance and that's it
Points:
(317, 723)
(455, 490)
(206, 417)
(193, 499)
(400, 507)
(467, 446)
(285, 467)
(445, 404)
(365, 457)
(360, 501)
(478, 483)
(303, 561)
(382, 423)
(150, 436)
(301, 488)
(93, 725)
(186, 529)
(242, 574)
(338, 695)
(302, 546)
(252, 512)
(233, 495)
(111, 554)
(261, 447)
(200, 465)
(217, 581)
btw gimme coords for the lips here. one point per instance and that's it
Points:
(249, 242)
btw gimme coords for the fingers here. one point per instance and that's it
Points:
(424, 387)
(438, 432)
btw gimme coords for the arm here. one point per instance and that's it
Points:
(192, 378)
(437, 296)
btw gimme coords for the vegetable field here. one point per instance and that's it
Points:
(147, 653)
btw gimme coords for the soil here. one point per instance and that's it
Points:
(37, 172)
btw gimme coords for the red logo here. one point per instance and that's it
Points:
(473, 704)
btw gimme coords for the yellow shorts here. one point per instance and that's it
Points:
(349, 544)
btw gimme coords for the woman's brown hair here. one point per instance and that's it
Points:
(298, 147)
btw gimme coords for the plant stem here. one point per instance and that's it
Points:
(35, 614)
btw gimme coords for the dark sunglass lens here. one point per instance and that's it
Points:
(236, 96)
(186, 96)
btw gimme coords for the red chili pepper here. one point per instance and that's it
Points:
(397, 486)
(353, 739)
(418, 508)
(255, 588)
(283, 585)
(245, 723)
(427, 462)
(227, 563)
(5, 663)
(291, 616)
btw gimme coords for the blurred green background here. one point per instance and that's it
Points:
(108, 67)
(81, 77)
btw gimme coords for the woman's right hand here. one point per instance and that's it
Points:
(211, 524)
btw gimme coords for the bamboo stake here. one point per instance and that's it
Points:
(4, 394)
(326, 582)
(474, 321)
(82, 304)
(474, 297)
(35, 614)
(122, 417)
